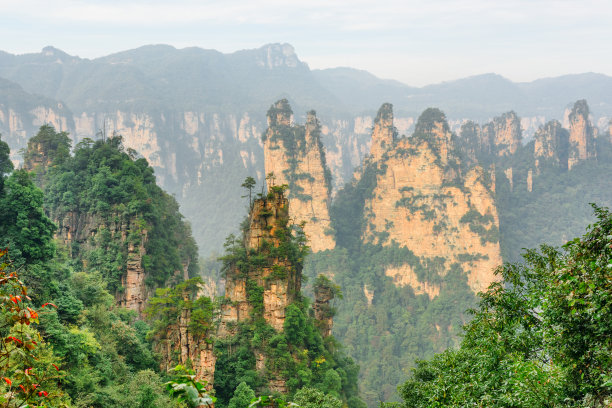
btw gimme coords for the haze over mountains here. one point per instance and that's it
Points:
(197, 115)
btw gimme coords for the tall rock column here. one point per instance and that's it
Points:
(582, 135)
(434, 206)
(551, 142)
(277, 278)
(384, 133)
(294, 155)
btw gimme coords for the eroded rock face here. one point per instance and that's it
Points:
(295, 156)
(503, 135)
(384, 133)
(182, 345)
(551, 143)
(83, 228)
(322, 309)
(281, 281)
(424, 203)
(581, 135)
(264, 289)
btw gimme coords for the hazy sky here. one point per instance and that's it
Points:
(416, 42)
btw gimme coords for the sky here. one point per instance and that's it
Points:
(415, 42)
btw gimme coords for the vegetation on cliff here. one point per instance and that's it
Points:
(253, 352)
(107, 186)
(539, 338)
(100, 350)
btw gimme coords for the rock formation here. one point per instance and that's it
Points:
(384, 133)
(180, 345)
(502, 136)
(550, 147)
(294, 155)
(423, 201)
(581, 135)
(279, 279)
(77, 229)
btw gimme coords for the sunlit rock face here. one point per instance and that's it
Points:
(427, 201)
(294, 155)
(581, 135)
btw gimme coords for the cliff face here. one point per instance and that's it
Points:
(281, 281)
(423, 202)
(581, 135)
(295, 156)
(180, 345)
(551, 142)
(84, 230)
(502, 136)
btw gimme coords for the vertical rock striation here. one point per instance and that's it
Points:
(278, 277)
(295, 156)
(550, 147)
(581, 135)
(428, 202)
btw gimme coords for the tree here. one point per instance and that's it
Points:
(540, 338)
(6, 165)
(249, 183)
(313, 398)
(24, 227)
(242, 396)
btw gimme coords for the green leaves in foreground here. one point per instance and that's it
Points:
(540, 338)
(185, 388)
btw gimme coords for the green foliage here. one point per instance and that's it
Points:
(185, 388)
(478, 224)
(6, 165)
(30, 374)
(398, 327)
(47, 146)
(313, 398)
(166, 307)
(540, 338)
(112, 189)
(557, 208)
(24, 227)
(242, 396)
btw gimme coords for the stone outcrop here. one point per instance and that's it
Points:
(294, 155)
(324, 293)
(581, 135)
(384, 133)
(82, 229)
(267, 281)
(424, 202)
(551, 143)
(281, 281)
(503, 135)
(182, 346)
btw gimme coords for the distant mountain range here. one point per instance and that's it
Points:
(197, 115)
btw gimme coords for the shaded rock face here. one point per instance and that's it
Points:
(423, 202)
(322, 309)
(502, 136)
(83, 228)
(551, 145)
(179, 343)
(581, 135)
(295, 156)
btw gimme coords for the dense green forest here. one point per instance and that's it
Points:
(100, 351)
(542, 337)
